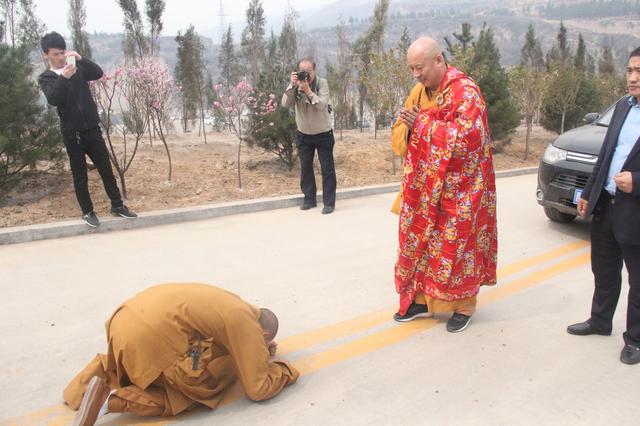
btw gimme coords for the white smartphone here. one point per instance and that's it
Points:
(71, 60)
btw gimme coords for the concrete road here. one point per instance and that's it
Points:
(330, 280)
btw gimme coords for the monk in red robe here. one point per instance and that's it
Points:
(447, 233)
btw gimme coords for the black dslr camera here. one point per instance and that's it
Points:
(303, 75)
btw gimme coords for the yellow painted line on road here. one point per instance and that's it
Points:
(61, 415)
(515, 267)
(401, 332)
(533, 279)
(334, 331)
(304, 340)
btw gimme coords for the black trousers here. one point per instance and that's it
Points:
(607, 257)
(90, 142)
(307, 145)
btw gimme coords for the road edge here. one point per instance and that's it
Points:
(46, 231)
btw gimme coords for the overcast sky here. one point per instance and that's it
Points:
(106, 16)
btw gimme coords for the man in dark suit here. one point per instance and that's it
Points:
(612, 195)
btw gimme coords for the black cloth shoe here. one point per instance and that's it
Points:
(458, 322)
(328, 209)
(307, 206)
(415, 311)
(586, 329)
(91, 219)
(630, 354)
(123, 211)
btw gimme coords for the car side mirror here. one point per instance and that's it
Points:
(591, 117)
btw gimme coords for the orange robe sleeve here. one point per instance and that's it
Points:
(400, 132)
(260, 377)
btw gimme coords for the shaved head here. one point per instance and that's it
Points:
(426, 62)
(269, 324)
(426, 47)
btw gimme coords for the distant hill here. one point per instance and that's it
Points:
(613, 22)
(107, 50)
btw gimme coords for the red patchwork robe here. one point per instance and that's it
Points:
(448, 234)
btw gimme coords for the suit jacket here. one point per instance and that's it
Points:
(626, 220)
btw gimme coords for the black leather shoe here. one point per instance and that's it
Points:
(586, 329)
(328, 209)
(307, 206)
(630, 354)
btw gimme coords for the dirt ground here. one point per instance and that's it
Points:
(206, 174)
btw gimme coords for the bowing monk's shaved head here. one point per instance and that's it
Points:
(269, 324)
(426, 62)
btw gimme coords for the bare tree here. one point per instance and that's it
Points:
(77, 22)
(252, 39)
(30, 28)
(527, 88)
(154, 10)
(340, 78)
(189, 74)
(136, 44)
(10, 12)
(364, 47)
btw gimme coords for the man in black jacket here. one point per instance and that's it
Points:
(612, 194)
(65, 84)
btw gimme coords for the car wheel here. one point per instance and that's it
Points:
(558, 216)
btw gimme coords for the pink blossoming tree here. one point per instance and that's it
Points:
(272, 128)
(233, 103)
(119, 92)
(158, 91)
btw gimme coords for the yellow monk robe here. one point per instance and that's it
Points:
(149, 360)
(423, 99)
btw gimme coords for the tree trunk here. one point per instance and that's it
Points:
(375, 125)
(149, 122)
(204, 128)
(123, 184)
(361, 106)
(239, 177)
(166, 148)
(158, 129)
(564, 113)
(527, 137)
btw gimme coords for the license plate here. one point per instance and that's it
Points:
(576, 196)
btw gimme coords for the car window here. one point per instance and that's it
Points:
(606, 118)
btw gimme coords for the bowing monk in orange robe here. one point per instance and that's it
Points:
(175, 346)
(447, 228)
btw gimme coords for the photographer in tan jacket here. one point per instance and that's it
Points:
(309, 94)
